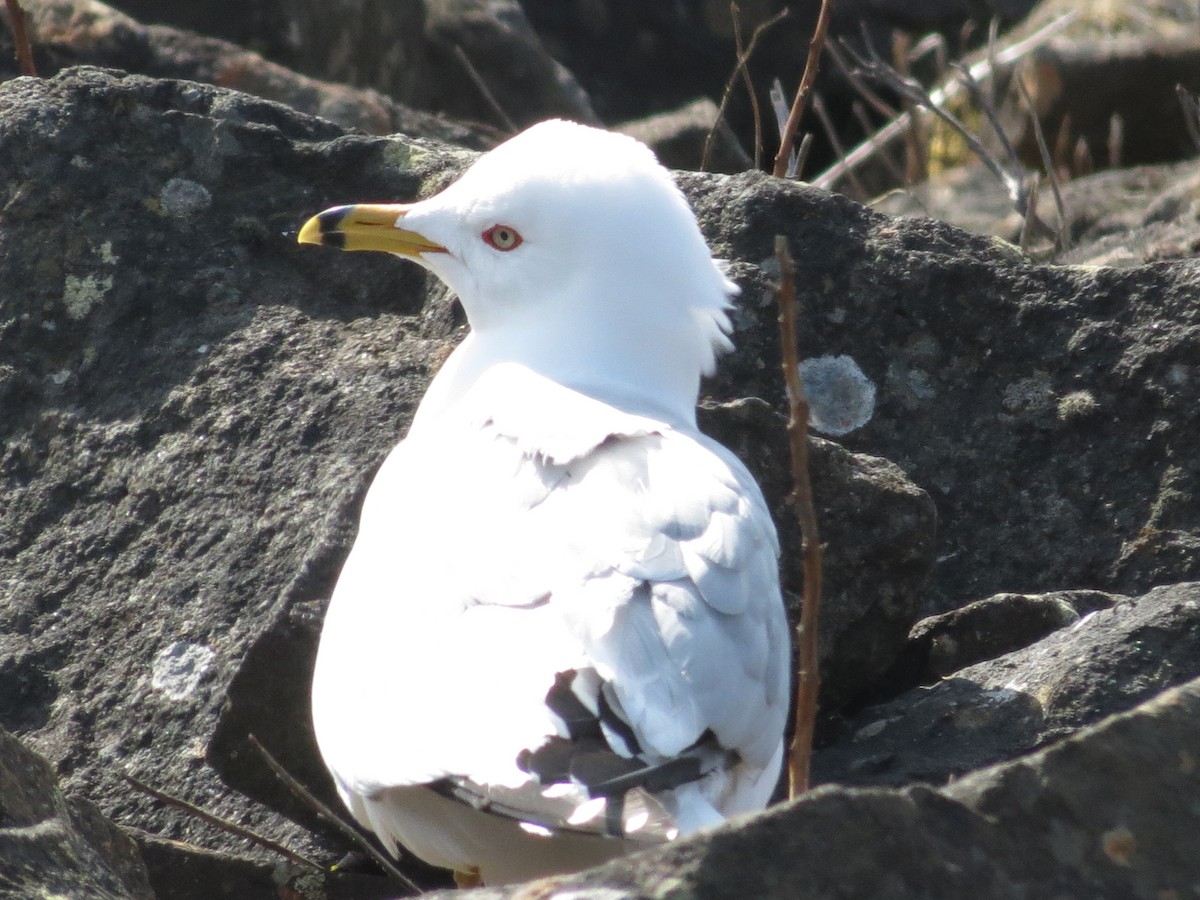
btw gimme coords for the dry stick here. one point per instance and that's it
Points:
(332, 817)
(809, 680)
(483, 89)
(223, 824)
(1047, 163)
(860, 113)
(1191, 113)
(739, 71)
(980, 70)
(800, 101)
(755, 111)
(16, 17)
(818, 105)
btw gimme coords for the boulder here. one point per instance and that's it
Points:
(1109, 813)
(54, 846)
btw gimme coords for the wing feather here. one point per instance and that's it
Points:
(484, 569)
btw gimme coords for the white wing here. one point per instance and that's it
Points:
(596, 606)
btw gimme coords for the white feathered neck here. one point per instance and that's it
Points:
(612, 291)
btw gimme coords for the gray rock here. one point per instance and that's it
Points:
(1105, 662)
(70, 33)
(1110, 814)
(1047, 410)
(989, 628)
(680, 137)
(51, 845)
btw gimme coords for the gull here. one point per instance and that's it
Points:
(559, 635)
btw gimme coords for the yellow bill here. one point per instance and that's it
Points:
(367, 226)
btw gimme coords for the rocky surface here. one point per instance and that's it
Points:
(1110, 813)
(54, 846)
(192, 407)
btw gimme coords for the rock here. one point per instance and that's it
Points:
(183, 871)
(368, 43)
(493, 67)
(70, 33)
(989, 628)
(1106, 662)
(187, 399)
(1042, 407)
(680, 137)
(1109, 813)
(51, 845)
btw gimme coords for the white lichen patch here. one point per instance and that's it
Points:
(840, 397)
(1030, 397)
(178, 668)
(183, 198)
(80, 295)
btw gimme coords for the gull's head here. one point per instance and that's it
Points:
(564, 234)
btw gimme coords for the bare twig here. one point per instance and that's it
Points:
(984, 101)
(1029, 223)
(859, 112)
(801, 154)
(1191, 113)
(332, 817)
(1061, 237)
(818, 106)
(20, 32)
(863, 89)
(1116, 140)
(740, 71)
(809, 681)
(484, 90)
(980, 70)
(800, 101)
(224, 824)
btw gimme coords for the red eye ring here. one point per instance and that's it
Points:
(503, 238)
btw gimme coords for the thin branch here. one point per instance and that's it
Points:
(860, 113)
(332, 817)
(822, 112)
(1029, 223)
(224, 824)
(876, 102)
(912, 91)
(1191, 113)
(809, 680)
(801, 155)
(1047, 163)
(985, 103)
(20, 32)
(800, 101)
(740, 71)
(484, 90)
(981, 70)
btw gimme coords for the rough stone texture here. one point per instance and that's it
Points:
(1046, 409)
(72, 33)
(1109, 814)
(51, 845)
(988, 628)
(1106, 662)
(186, 395)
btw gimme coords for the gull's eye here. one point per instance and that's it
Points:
(503, 237)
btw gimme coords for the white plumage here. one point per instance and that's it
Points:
(563, 605)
